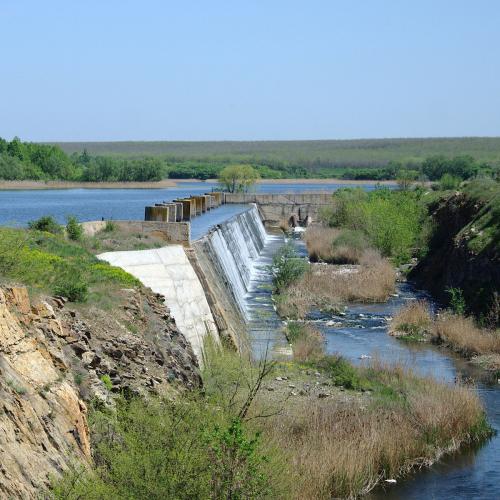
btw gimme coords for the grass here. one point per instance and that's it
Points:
(329, 287)
(462, 334)
(340, 448)
(50, 263)
(320, 154)
(285, 447)
(412, 322)
(307, 342)
(334, 246)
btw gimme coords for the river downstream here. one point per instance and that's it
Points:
(471, 473)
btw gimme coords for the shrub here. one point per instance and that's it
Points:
(287, 267)
(110, 226)
(73, 229)
(106, 380)
(75, 289)
(391, 220)
(163, 449)
(449, 181)
(47, 224)
(457, 300)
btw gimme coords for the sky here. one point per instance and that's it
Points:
(107, 70)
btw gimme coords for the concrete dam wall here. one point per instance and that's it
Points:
(204, 286)
(168, 271)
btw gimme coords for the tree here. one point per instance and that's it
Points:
(238, 178)
(406, 178)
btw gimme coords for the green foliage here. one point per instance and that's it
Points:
(391, 220)
(102, 271)
(51, 263)
(162, 449)
(238, 178)
(343, 373)
(18, 389)
(449, 181)
(457, 300)
(73, 229)
(106, 380)
(287, 267)
(47, 224)
(462, 167)
(352, 239)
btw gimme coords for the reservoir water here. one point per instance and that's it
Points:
(19, 207)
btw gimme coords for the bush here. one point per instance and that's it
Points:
(110, 226)
(163, 449)
(73, 229)
(287, 267)
(46, 223)
(412, 321)
(75, 289)
(391, 220)
(449, 181)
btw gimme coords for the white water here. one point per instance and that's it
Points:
(234, 247)
(242, 252)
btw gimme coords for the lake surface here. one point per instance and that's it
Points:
(19, 207)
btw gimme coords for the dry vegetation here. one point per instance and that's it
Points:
(462, 334)
(307, 342)
(341, 446)
(327, 287)
(413, 320)
(335, 246)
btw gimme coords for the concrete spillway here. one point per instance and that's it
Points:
(234, 247)
(167, 271)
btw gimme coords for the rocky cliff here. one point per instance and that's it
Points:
(55, 359)
(464, 251)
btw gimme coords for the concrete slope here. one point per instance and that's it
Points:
(167, 271)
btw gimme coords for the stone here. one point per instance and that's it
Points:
(19, 297)
(323, 395)
(44, 310)
(88, 357)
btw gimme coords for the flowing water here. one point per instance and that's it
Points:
(361, 333)
(473, 473)
(242, 252)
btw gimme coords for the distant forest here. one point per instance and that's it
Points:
(377, 159)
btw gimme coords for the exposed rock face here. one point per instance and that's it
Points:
(54, 357)
(453, 262)
(43, 422)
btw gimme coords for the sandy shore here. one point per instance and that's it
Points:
(303, 181)
(166, 183)
(19, 185)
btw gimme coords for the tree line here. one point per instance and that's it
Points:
(30, 161)
(24, 160)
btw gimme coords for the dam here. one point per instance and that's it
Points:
(217, 287)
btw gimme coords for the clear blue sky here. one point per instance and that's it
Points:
(244, 69)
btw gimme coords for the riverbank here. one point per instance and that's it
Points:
(38, 185)
(307, 181)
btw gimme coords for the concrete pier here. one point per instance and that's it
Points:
(157, 213)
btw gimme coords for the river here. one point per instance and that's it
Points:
(471, 473)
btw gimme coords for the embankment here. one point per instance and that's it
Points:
(20, 185)
(464, 251)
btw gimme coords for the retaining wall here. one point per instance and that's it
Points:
(171, 232)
